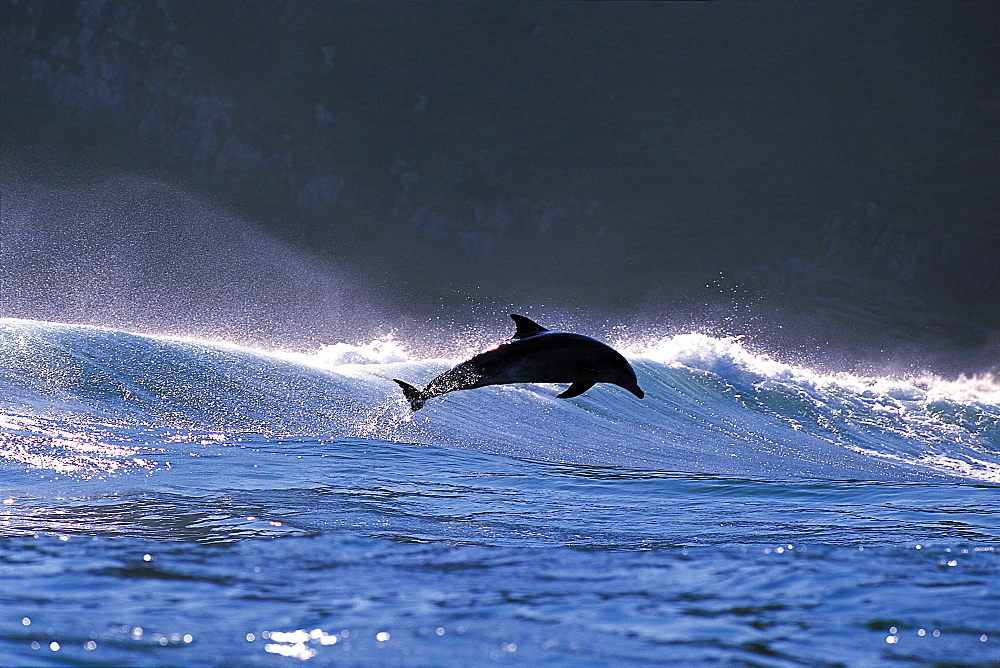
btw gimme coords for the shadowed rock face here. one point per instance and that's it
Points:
(598, 156)
(907, 297)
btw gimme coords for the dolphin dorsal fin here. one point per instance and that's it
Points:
(526, 327)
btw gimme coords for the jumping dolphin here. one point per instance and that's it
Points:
(534, 355)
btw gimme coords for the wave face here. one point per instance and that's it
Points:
(711, 406)
(741, 505)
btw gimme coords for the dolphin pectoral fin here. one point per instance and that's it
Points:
(634, 389)
(412, 394)
(575, 390)
(525, 327)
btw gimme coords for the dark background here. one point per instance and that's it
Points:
(821, 177)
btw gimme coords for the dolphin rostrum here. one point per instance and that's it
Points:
(534, 355)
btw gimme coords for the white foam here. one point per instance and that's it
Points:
(728, 354)
(380, 351)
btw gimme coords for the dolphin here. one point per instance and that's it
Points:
(534, 355)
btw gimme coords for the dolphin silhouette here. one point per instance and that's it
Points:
(534, 355)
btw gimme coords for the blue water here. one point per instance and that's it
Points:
(181, 502)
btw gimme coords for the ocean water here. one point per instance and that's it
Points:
(179, 502)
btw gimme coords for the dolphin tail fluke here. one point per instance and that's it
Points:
(575, 390)
(413, 395)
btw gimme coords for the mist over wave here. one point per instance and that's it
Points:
(143, 254)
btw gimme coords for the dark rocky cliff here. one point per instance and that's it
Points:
(617, 157)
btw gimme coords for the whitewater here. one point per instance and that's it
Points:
(173, 501)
